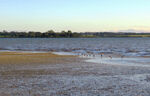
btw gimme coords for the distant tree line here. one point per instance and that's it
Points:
(32, 34)
(68, 34)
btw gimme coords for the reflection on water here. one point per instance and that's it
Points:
(132, 61)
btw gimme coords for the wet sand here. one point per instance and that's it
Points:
(46, 74)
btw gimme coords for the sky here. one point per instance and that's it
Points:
(75, 15)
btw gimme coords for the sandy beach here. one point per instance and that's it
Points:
(47, 74)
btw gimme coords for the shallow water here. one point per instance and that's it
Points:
(132, 61)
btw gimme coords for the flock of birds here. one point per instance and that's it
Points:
(94, 55)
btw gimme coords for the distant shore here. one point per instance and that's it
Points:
(69, 34)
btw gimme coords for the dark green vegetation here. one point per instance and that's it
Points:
(68, 34)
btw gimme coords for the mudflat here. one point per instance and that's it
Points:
(47, 74)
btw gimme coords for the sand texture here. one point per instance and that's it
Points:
(46, 74)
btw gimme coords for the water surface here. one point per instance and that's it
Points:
(125, 46)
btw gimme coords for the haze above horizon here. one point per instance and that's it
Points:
(75, 15)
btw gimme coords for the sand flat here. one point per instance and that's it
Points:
(29, 58)
(47, 74)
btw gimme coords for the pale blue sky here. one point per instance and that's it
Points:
(75, 15)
